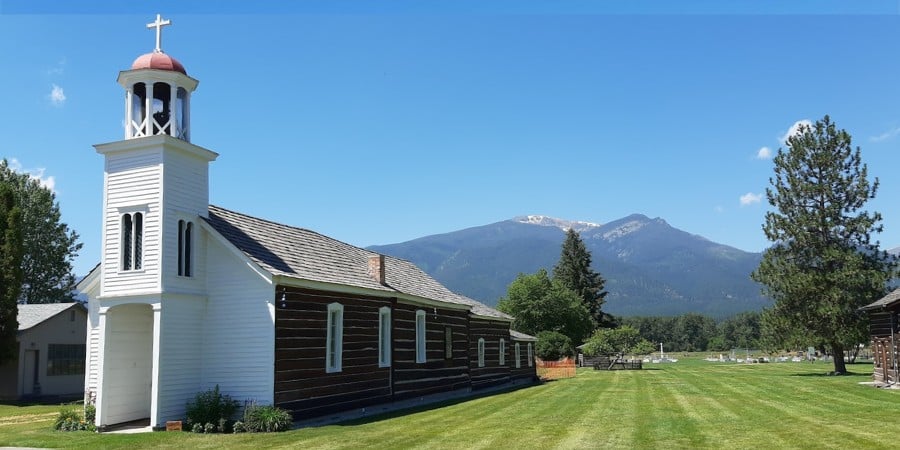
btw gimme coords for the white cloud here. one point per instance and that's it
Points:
(886, 135)
(764, 153)
(750, 198)
(57, 96)
(794, 129)
(48, 182)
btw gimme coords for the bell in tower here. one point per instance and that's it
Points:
(157, 93)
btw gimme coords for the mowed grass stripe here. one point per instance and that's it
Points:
(690, 404)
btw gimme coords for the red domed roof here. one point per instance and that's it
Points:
(158, 61)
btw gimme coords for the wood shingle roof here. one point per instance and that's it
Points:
(306, 255)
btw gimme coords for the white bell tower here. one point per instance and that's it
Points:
(156, 183)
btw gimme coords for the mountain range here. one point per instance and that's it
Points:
(650, 267)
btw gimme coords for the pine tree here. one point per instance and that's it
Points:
(10, 270)
(574, 272)
(823, 265)
(49, 246)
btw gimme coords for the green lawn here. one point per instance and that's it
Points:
(690, 404)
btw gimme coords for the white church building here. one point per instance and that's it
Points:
(188, 295)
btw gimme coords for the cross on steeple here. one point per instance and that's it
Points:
(158, 24)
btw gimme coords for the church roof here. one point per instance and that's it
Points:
(33, 314)
(158, 61)
(885, 301)
(307, 255)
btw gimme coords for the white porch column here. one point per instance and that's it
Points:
(187, 116)
(100, 418)
(154, 377)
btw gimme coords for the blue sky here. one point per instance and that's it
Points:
(380, 122)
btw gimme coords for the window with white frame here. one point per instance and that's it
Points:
(384, 336)
(530, 355)
(334, 339)
(420, 336)
(502, 352)
(185, 244)
(132, 241)
(518, 356)
(480, 352)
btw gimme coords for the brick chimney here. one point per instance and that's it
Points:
(376, 269)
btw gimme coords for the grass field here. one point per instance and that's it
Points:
(690, 404)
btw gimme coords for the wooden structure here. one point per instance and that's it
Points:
(612, 363)
(885, 338)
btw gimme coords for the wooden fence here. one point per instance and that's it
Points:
(554, 370)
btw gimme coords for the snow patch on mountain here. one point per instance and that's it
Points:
(623, 230)
(562, 224)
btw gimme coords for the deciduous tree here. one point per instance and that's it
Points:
(10, 270)
(823, 264)
(541, 304)
(49, 245)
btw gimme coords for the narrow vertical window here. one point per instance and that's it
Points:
(448, 343)
(530, 355)
(132, 241)
(127, 230)
(138, 240)
(334, 339)
(420, 336)
(480, 352)
(502, 352)
(384, 337)
(518, 356)
(185, 230)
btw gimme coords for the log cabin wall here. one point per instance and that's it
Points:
(302, 385)
(881, 323)
(441, 371)
(524, 371)
(493, 373)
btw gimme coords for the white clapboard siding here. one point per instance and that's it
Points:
(238, 348)
(133, 180)
(128, 363)
(185, 197)
(180, 347)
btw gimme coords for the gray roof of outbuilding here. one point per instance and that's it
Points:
(885, 301)
(519, 336)
(303, 254)
(31, 315)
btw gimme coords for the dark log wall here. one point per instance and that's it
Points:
(492, 373)
(523, 372)
(880, 322)
(302, 385)
(437, 373)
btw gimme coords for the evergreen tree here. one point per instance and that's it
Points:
(574, 272)
(823, 265)
(49, 245)
(10, 271)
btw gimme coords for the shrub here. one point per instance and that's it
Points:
(552, 345)
(209, 407)
(209, 428)
(197, 428)
(266, 418)
(71, 420)
(90, 413)
(239, 427)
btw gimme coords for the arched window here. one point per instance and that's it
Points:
(132, 241)
(420, 336)
(530, 355)
(502, 352)
(185, 244)
(384, 337)
(518, 356)
(480, 352)
(334, 339)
